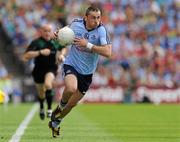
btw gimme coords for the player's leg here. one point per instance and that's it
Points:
(59, 114)
(70, 88)
(84, 82)
(41, 97)
(76, 86)
(72, 102)
(38, 76)
(70, 82)
(48, 83)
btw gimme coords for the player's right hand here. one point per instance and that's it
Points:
(81, 42)
(45, 52)
(55, 34)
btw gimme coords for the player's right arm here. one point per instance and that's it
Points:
(33, 52)
(30, 54)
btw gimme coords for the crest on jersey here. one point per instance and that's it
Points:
(93, 37)
(86, 36)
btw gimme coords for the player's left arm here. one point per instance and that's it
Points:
(105, 49)
(60, 56)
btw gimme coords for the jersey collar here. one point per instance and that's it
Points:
(84, 22)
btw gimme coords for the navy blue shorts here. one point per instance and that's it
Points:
(84, 81)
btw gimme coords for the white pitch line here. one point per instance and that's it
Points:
(20, 131)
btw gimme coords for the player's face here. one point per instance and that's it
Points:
(93, 19)
(46, 32)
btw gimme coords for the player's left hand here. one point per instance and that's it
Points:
(60, 58)
(81, 42)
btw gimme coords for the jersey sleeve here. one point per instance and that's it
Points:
(104, 37)
(58, 46)
(32, 47)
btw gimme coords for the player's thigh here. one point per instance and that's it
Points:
(49, 78)
(70, 82)
(40, 89)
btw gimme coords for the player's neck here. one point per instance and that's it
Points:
(87, 27)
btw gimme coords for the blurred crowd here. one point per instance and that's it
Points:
(145, 35)
(5, 82)
(9, 85)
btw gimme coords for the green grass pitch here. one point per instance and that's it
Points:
(98, 123)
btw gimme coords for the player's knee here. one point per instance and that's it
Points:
(41, 95)
(48, 86)
(71, 90)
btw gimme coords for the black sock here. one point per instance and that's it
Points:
(62, 104)
(41, 102)
(49, 98)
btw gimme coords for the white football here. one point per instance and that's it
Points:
(66, 36)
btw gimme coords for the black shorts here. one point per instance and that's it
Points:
(84, 81)
(39, 73)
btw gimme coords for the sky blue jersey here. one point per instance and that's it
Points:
(82, 59)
